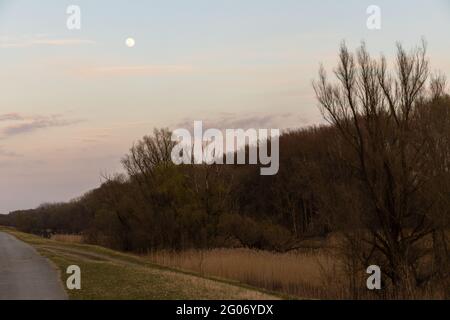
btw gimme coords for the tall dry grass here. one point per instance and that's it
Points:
(71, 238)
(315, 272)
(306, 274)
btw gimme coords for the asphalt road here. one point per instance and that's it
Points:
(25, 275)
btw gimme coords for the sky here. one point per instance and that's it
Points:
(72, 102)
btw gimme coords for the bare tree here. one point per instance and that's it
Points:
(146, 157)
(375, 111)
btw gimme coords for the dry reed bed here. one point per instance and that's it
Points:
(71, 238)
(307, 274)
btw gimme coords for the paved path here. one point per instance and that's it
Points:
(24, 274)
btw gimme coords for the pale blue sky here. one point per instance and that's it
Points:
(72, 102)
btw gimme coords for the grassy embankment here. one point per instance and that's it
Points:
(108, 274)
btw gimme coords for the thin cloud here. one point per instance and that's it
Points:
(11, 117)
(8, 154)
(87, 140)
(26, 124)
(63, 42)
(251, 120)
(140, 70)
(41, 40)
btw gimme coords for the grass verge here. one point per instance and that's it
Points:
(108, 274)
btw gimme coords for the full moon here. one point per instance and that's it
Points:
(130, 42)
